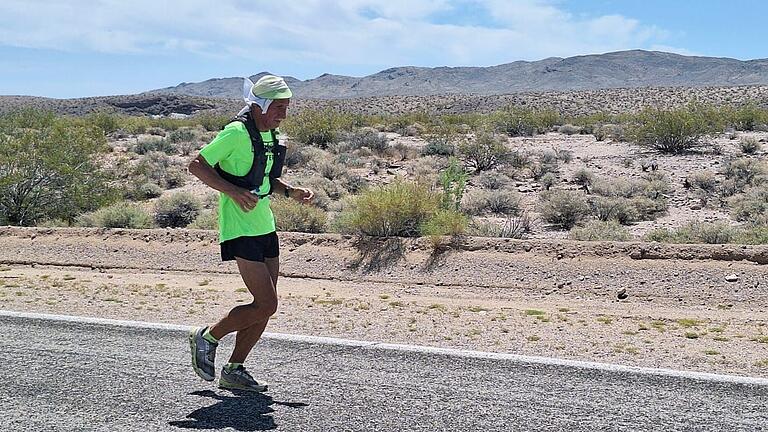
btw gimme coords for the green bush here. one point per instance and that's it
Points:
(569, 129)
(158, 168)
(564, 209)
(497, 202)
(291, 215)
(211, 121)
(177, 210)
(616, 209)
(745, 171)
(366, 137)
(695, 232)
(397, 209)
(441, 144)
(484, 152)
(750, 146)
(583, 177)
(674, 131)
(747, 118)
(183, 134)
(522, 122)
(207, 220)
(600, 231)
(117, 215)
(49, 168)
(453, 180)
(492, 180)
(751, 205)
(107, 122)
(317, 127)
(153, 144)
(516, 227)
(445, 223)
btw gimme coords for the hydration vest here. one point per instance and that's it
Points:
(255, 176)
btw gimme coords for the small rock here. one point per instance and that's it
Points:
(696, 207)
(622, 294)
(732, 278)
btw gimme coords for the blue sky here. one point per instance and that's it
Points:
(78, 48)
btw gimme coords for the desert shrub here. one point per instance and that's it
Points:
(600, 231)
(744, 171)
(354, 183)
(519, 159)
(177, 210)
(548, 180)
(749, 145)
(492, 180)
(440, 144)
(365, 137)
(609, 131)
(183, 134)
(153, 144)
(695, 232)
(445, 223)
(453, 181)
(616, 209)
(569, 129)
(117, 215)
(583, 177)
(329, 168)
(206, 220)
(291, 215)
(158, 168)
(485, 152)
(148, 190)
(317, 127)
(49, 169)
(107, 122)
(496, 201)
(748, 118)
(517, 227)
(564, 156)
(515, 122)
(752, 234)
(703, 181)
(211, 121)
(564, 209)
(397, 209)
(674, 131)
(751, 205)
(647, 208)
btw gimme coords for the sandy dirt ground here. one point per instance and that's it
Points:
(559, 299)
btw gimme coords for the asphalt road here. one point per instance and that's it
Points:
(93, 377)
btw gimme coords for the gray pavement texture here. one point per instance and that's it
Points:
(61, 376)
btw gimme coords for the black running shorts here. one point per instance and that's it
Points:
(251, 248)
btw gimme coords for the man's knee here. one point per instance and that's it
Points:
(263, 309)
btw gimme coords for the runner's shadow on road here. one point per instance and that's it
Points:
(243, 411)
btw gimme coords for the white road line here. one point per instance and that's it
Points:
(735, 379)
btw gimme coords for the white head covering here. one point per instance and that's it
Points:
(263, 92)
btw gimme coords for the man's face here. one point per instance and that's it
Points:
(276, 113)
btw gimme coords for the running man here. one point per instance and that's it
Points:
(244, 163)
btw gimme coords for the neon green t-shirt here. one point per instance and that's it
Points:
(233, 151)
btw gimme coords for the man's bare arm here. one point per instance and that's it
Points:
(200, 168)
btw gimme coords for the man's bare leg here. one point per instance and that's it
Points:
(248, 337)
(258, 280)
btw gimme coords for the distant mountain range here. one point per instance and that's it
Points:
(623, 69)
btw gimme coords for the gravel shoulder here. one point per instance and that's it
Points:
(549, 298)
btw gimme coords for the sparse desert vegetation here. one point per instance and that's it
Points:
(693, 173)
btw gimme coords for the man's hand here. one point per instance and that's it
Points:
(302, 195)
(244, 198)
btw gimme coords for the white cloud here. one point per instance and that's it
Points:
(376, 33)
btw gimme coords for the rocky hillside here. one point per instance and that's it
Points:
(624, 69)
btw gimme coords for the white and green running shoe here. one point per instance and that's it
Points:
(239, 379)
(203, 354)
